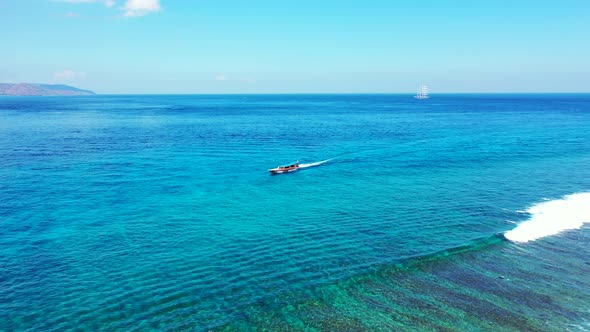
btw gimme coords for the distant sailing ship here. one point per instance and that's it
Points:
(422, 92)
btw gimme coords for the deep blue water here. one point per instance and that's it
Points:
(158, 213)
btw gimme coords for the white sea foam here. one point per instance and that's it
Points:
(317, 163)
(553, 217)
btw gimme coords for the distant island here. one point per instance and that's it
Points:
(32, 89)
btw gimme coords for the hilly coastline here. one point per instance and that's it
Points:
(32, 89)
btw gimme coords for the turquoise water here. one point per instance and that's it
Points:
(158, 213)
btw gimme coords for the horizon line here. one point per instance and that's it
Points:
(306, 93)
(338, 93)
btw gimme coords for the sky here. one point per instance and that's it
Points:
(303, 46)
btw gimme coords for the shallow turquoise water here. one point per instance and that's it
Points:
(157, 212)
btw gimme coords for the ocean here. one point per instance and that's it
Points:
(141, 213)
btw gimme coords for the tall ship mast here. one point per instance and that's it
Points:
(422, 92)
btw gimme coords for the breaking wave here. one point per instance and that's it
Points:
(553, 217)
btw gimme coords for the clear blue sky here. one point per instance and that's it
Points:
(221, 46)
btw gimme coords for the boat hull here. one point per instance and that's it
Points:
(280, 170)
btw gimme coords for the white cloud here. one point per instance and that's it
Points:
(67, 75)
(72, 15)
(141, 7)
(221, 78)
